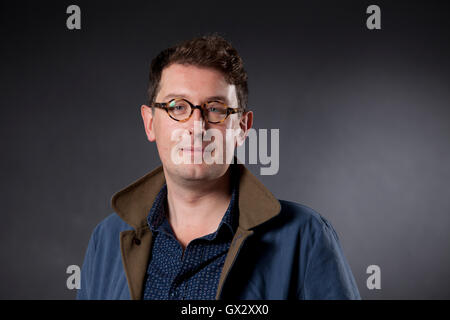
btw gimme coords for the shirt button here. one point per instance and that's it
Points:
(137, 241)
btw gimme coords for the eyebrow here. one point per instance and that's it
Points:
(176, 95)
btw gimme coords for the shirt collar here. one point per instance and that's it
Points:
(256, 203)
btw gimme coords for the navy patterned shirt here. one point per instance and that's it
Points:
(194, 275)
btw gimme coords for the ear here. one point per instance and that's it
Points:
(147, 117)
(245, 123)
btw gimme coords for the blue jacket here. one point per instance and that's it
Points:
(281, 250)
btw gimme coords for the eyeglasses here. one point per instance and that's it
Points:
(182, 110)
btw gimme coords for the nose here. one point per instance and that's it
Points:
(196, 117)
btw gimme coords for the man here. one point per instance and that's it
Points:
(208, 230)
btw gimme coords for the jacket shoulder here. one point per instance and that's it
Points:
(303, 215)
(112, 224)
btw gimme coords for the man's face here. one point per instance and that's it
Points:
(197, 85)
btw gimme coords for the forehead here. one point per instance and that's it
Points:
(193, 82)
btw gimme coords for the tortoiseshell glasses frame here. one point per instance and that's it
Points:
(186, 109)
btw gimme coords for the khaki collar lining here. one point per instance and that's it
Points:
(256, 203)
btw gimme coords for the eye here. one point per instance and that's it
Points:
(216, 107)
(178, 107)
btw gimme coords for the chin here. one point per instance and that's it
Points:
(199, 172)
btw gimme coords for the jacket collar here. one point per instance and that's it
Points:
(256, 203)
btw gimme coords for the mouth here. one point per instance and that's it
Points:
(192, 149)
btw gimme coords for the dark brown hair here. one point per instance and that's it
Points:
(211, 51)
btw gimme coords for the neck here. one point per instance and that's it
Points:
(195, 208)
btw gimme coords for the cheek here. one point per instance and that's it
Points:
(238, 133)
(163, 135)
(163, 126)
(233, 126)
(229, 132)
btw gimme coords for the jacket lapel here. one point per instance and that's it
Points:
(135, 254)
(256, 205)
(236, 244)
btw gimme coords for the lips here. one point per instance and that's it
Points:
(192, 149)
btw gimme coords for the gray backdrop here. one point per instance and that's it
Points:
(363, 118)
